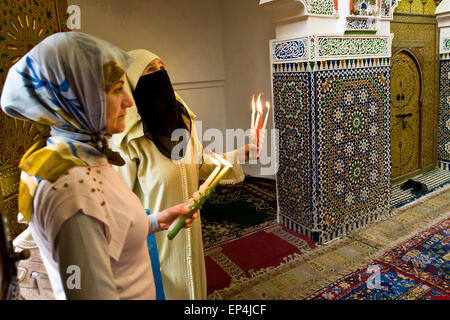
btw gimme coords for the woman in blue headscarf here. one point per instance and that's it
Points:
(90, 229)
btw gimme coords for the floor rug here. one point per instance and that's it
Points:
(416, 269)
(424, 257)
(234, 211)
(241, 259)
(378, 282)
(304, 274)
(405, 220)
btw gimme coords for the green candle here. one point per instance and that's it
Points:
(203, 197)
(224, 170)
(193, 209)
(219, 176)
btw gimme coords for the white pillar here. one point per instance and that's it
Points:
(330, 83)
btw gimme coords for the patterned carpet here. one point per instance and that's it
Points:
(234, 211)
(303, 275)
(223, 221)
(416, 269)
(391, 285)
(241, 235)
(242, 259)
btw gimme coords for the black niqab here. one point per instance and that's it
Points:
(162, 113)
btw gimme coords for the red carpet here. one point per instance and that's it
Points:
(241, 258)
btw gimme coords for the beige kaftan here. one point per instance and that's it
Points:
(161, 183)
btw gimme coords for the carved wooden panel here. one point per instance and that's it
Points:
(405, 114)
(418, 35)
(23, 24)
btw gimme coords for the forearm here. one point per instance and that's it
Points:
(153, 223)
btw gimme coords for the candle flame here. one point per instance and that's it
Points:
(259, 103)
(217, 163)
(252, 124)
(267, 115)
(222, 160)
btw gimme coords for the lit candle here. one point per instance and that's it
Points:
(226, 167)
(253, 112)
(211, 176)
(267, 115)
(258, 118)
(201, 190)
(263, 127)
(252, 141)
(176, 226)
(259, 115)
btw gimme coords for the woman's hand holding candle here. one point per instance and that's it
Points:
(177, 224)
(257, 126)
(168, 216)
(199, 198)
(244, 153)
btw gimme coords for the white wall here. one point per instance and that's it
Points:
(247, 31)
(180, 32)
(217, 51)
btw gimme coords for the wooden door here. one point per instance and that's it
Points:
(405, 115)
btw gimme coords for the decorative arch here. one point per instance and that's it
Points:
(286, 10)
(290, 10)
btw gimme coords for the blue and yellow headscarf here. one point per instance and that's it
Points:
(60, 83)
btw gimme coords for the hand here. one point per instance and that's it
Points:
(243, 153)
(166, 217)
(262, 134)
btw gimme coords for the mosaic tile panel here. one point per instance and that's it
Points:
(360, 24)
(364, 7)
(312, 48)
(320, 7)
(353, 155)
(324, 47)
(290, 50)
(334, 47)
(444, 112)
(292, 115)
(387, 8)
(445, 45)
(334, 173)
